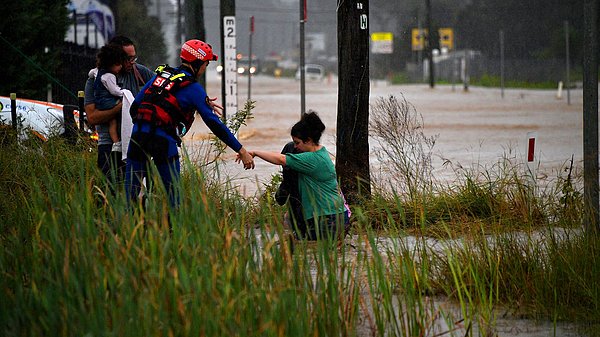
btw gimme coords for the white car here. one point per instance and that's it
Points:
(312, 72)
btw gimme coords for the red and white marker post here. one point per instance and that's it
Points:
(531, 140)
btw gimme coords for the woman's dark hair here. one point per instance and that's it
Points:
(310, 126)
(110, 55)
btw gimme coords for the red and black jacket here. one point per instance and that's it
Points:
(159, 105)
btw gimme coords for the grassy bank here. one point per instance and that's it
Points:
(486, 81)
(76, 261)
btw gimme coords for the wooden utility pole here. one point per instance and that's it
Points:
(502, 63)
(194, 26)
(567, 63)
(352, 162)
(429, 45)
(179, 30)
(302, 60)
(251, 33)
(590, 114)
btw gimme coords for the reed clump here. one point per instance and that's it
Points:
(506, 238)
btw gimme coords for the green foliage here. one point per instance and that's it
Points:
(74, 267)
(29, 27)
(400, 78)
(77, 261)
(504, 194)
(499, 197)
(494, 81)
(234, 123)
(545, 274)
(405, 149)
(23, 164)
(512, 237)
(78, 266)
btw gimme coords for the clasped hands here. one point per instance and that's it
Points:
(246, 157)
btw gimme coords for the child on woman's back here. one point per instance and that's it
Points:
(107, 92)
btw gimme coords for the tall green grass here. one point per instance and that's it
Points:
(76, 267)
(77, 261)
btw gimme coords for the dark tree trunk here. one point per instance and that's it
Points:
(429, 45)
(590, 114)
(195, 29)
(352, 162)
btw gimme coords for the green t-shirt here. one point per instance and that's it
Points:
(317, 183)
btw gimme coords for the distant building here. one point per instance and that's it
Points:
(93, 23)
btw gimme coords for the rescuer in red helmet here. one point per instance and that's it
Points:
(164, 110)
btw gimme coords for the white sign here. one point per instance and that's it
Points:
(363, 21)
(230, 65)
(382, 43)
(315, 41)
(382, 47)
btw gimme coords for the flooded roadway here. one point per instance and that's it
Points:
(475, 128)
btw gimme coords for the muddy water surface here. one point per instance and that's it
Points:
(474, 128)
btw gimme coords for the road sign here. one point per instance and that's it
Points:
(382, 43)
(419, 37)
(446, 38)
(363, 21)
(382, 36)
(230, 65)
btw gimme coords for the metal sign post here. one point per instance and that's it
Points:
(13, 111)
(250, 57)
(229, 67)
(502, 63)
(302, 69)
(567, 61)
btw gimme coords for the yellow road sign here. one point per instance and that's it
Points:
(446, 38)
(382, 36)
(419, 36)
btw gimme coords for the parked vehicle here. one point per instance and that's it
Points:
(312, 72)
(40, 119)
(243, 66)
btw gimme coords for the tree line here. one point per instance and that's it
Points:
(32, 34)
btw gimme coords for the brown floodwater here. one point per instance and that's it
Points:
(476, 128)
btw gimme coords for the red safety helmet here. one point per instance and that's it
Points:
(193, 50)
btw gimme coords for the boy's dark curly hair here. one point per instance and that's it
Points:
(110, 55)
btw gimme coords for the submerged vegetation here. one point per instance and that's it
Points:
(495, 242)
